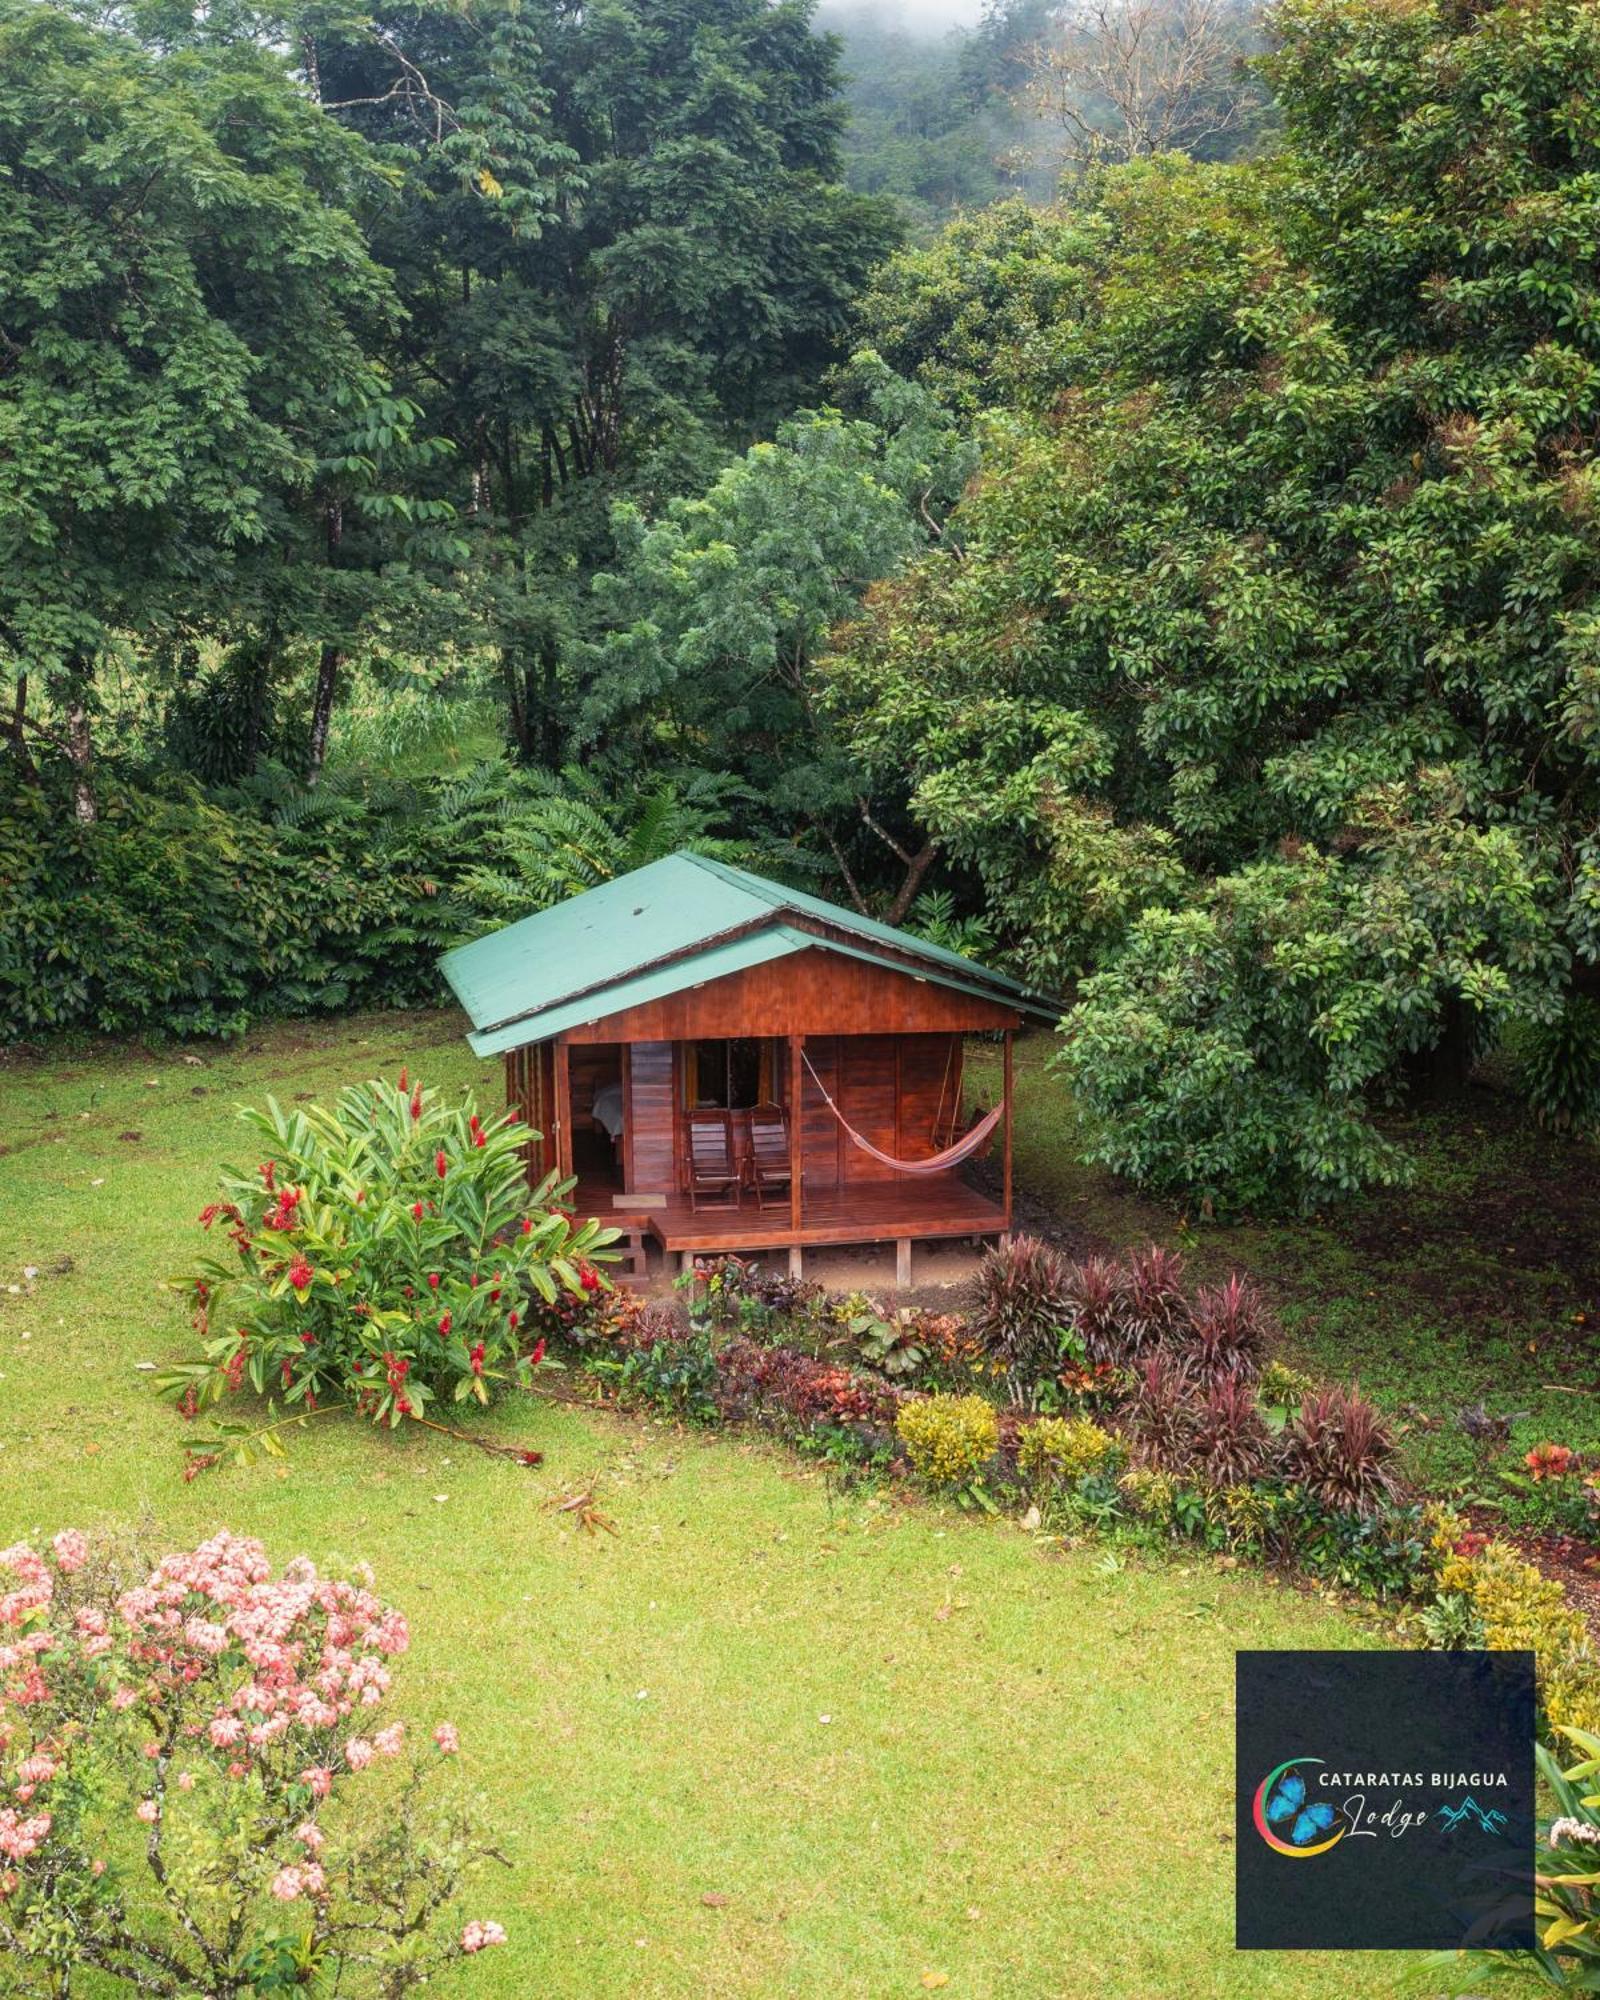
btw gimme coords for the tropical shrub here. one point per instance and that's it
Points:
(1150, 1493)
(1341, 1450)
(948, 1439)
(796, 1391)
(1057, 1452)
(1281, 1389)
(385, 1256)
(1017, 1311)
(1227, 1328)
(185, 1753)
(1520, 1608)
(673, 1367)
(1567, 1874)
(1228, 1441)
(1384, 1552)
(1161, 1413)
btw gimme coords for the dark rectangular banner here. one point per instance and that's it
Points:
(1385, 1801)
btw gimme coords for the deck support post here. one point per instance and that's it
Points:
(796, 1148)
(1006, 1170)
(796, 1261)
(902, 1263)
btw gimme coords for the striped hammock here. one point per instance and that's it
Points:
(936, 1163)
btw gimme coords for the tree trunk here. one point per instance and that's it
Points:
(17, 732)
(917, 866)
(322, 710)
(550, 706)
(80, 752)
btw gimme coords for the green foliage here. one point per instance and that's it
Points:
(386, 1256)
(173, 913)
(675, 1369)
(1520, 1608)
(1018, 1314)
(717, 606)
(1261, 688)
(189, 309)
(1557, 1066)
(1566, 1958)
(1057, 1452)
(948, 1439)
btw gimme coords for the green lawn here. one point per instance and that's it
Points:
(895, 1740)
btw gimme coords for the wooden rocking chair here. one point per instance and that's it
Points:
(771, 1170)
(713, 1170)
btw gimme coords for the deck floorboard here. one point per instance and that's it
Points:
(847, 1212)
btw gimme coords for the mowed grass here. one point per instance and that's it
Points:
(896, 1740)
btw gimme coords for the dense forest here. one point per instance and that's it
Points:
(1113, 487)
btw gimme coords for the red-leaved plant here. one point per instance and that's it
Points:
(186, 1803)
(1340, 1448)
(386, 1255)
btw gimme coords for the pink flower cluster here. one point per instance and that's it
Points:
(212, 1649)
(19, 1837)
(478, 1936)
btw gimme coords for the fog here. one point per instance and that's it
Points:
(914, 17)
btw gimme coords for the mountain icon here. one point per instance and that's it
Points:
(1489, 1820)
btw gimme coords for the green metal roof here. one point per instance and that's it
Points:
(673, 924)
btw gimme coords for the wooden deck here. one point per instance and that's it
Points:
(902, 1212)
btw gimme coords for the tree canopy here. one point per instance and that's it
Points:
(1263, 692)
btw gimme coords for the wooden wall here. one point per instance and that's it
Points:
(649, 1106)
(892, 1088)
(531, 1088)
(810, 992)
(888, 1086)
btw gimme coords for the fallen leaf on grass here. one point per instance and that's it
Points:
(934, 1980)
(712, 1901)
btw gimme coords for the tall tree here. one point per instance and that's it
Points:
(1266, 688)
(651, 260)
(186, 297)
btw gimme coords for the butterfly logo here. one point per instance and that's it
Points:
(1288, 1820)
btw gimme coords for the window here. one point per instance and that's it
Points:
(729, 1076)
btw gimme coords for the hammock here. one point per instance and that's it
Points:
(937, 1163)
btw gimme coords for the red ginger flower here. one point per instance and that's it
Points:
(416, 1211)
(439, 1163)
(444, 1324)
(433, 1281)
(404, 1086)
(537, 1355)
(300, 1273)
(416, 1102)
(588, 1277)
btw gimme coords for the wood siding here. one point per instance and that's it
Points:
(530, 1088)
(812, 992)
(649, 1154)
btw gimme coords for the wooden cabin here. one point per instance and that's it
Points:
(722, 1063)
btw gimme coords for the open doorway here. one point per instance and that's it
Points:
(595, 1073)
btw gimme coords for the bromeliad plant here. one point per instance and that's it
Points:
(386, 1256)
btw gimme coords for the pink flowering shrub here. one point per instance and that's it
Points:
(198, 1793)
(385, 1255)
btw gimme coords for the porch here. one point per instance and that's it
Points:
(839, 1212)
